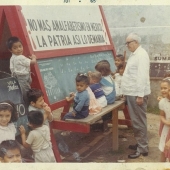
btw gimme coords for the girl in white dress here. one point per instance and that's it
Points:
(8, 115)
(164, 106)
(39, 138)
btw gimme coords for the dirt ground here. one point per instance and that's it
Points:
(97, 145)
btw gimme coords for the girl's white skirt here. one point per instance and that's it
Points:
(44, 155)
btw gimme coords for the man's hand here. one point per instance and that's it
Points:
(139, 100)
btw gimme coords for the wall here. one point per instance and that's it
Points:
(152, 23)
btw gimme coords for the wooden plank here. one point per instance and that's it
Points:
(93, 118)
(115, 143)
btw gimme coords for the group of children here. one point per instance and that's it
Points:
(38, 138)
(39, 115)
(95, 90)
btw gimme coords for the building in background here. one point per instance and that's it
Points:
(152, 23)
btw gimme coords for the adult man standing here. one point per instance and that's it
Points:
(136, 88)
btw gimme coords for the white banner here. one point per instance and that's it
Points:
(61, 27)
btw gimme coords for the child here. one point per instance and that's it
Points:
(20, 65)
(10, 152)
(108, 87)
(107, 81)
(118, 77)
(38, 139)
(81, 99)
(167, 74)
(96, 88)
(119, 60)
(164, 106)
(36, 101)
(8, 114)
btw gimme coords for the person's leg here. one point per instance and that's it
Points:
(139, 122)
(162, 157)
(68, 115)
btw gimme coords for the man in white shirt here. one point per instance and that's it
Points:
(136, 88)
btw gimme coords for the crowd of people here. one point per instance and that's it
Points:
(94, 90)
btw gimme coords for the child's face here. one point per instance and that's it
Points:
(39, 103)
(81, 86)
(13, 155)
(5, 117)
(118, 61)
(17, 48)
(165, 89)
(92, 80)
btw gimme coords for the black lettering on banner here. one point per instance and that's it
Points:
(32, 24)
(96, 26)
(95, 39)
(76, 39)
(84, 39)
(41, 41)
(43, 25)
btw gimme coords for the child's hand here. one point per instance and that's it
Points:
(72, 94)
(33, 56)
(46, 108)
(167, 145)
(22, 129)
(159, 98)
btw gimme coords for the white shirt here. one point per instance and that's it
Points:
(118, 89)
(7, 132)
(164, 105)
(106, 89)
(39, 138)
(20, 64)
(135, 80)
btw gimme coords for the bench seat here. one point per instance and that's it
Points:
(90, 119)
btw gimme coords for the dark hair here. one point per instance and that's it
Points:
(8, 145)
(35, 117)
(11, 41)
(120, 56)
(167, 74)
(34, 94)
(8, 105)
(103, 67)
(83, 77)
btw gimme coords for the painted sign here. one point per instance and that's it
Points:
(61, 27)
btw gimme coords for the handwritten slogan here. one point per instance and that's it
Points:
(64, 27)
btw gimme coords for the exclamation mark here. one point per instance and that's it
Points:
(105, 38)
(102, 24)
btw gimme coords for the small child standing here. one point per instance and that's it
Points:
(10, 152)
(164, 106)
(20, 65)
(118, 77)
(96, 88)
(81, 99)
(36, 101)
(8, 115)
(38, 139)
